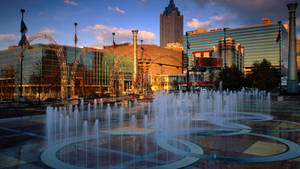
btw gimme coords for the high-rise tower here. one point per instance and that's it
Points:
(171, 25)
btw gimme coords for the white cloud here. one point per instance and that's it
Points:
(212, 21)
(8, 37)
(217, 18)
(104, 34)
(69, 2)
(116, 9)
(195, 24)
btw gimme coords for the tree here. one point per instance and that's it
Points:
(232, 78)
(175, 84)
(264, 76)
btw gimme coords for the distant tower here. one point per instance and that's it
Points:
(171, 25)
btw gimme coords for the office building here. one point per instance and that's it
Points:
(171, 25)
(50, 71)
(268, 40)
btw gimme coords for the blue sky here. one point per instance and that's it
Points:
(97, 19)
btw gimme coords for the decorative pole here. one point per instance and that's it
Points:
(292, 83)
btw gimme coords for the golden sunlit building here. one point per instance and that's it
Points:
(155, 63)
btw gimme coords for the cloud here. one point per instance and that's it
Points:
(116, 9)
(104, 34)
(9, 37)
(195, 24)
(48, 31)
(69, 2)
(248, 12)
(143, 1)
(217, 18)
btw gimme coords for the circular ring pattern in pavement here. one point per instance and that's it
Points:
(49, 155)
(281, 130)
(293, 151)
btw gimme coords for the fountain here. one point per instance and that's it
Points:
(134, 136)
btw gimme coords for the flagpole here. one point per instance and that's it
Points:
(75, 41)
(21, 60)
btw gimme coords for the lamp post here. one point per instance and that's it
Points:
(113, 36)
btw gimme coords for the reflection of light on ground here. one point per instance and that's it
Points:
(261, 148)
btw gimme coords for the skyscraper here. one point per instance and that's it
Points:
(171, 25)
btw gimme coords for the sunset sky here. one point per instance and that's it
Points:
(97, 19)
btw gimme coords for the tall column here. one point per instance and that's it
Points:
(134, 33)
(292, 83)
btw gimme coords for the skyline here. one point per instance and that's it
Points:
(98, 19)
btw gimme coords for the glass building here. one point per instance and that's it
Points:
(50, 71)
(265, 41)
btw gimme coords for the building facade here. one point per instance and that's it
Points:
(52, 71)
(154, 63)
(265, 41)
(171, 25)
(232, 53)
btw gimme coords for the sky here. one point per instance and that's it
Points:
(97, 19)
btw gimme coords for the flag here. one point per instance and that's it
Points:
(23, 41)
(23, 28)
(188, 44)
(75, 39)
(278, 37)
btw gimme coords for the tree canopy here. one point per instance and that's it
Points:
(263, 76)
(231, 77)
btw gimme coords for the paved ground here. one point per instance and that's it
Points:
(23, 139)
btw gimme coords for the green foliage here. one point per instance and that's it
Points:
(263, 76)
(232, 78)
